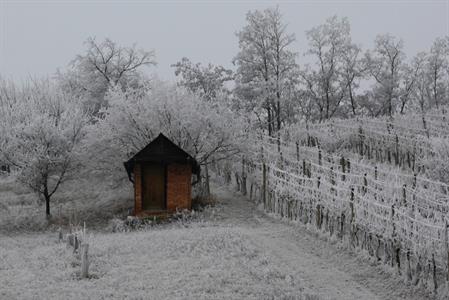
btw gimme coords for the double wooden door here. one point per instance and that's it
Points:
(154, 186)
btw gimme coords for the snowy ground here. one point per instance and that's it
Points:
(237, 253)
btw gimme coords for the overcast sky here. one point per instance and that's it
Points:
(37, 37)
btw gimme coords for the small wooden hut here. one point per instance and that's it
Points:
(162, 177)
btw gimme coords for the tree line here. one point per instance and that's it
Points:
(104, 107)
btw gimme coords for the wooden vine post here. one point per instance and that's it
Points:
(343, 168)
(365, 184)
(304, 171)
(404, 194)
(332, 178)
(243, 183)
(84, 260)
(446, 250)
(75, 244)
(207, 182)
(319, 156)
(279, 141)
(393, 231)
(70, 240)
(352, 230)
(264, 174)
(361, 141)
(264, 185)
(395, 253)
(297, 150)
(397, 150)
(414, 181)
(281, 161)
(351, 206)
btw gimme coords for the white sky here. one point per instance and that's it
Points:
(37, 37)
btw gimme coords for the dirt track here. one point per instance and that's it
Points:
(322, 267)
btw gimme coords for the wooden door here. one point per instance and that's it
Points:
(153, 187)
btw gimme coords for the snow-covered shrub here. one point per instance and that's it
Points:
(117, 225)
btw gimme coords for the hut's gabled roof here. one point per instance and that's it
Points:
(163, 150)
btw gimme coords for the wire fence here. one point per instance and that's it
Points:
(399, 217)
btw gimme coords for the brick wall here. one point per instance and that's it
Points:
(137, 189)
(179, 187)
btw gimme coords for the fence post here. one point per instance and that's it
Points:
(85, 261)
(351, 205)
(365, 184)
(446, 250)
(393, 232)
(409, 162)
(397, 151)
(318, 216)
(319, 156)
(297, 150)
(251, 192)
(343, 168)
(434, 274)
(408, 269)
(264, 185)
(75, 244)
(279, 141)
(361, 141)
(404, 194)
(281, 160)
(206, 169)
(297, 157)
(69, 240)
(414, 181)
(304, 168)
(351, 220)
(243, 189)
(332, 178)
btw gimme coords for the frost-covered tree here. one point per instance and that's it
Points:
(207, 81)
(337, 67)
(265, 66)
(409, 82)
(437, 68)
(386, 66)
(421, 92)
(104, 65)
(41, 131)
(353, 71)
(431, 80)
(9, 95)
(132, 120)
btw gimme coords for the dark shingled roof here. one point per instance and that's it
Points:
(161, 149)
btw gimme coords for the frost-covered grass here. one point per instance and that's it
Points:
(230, 251)
(19, 209)
(197, 262)
(84, 198)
